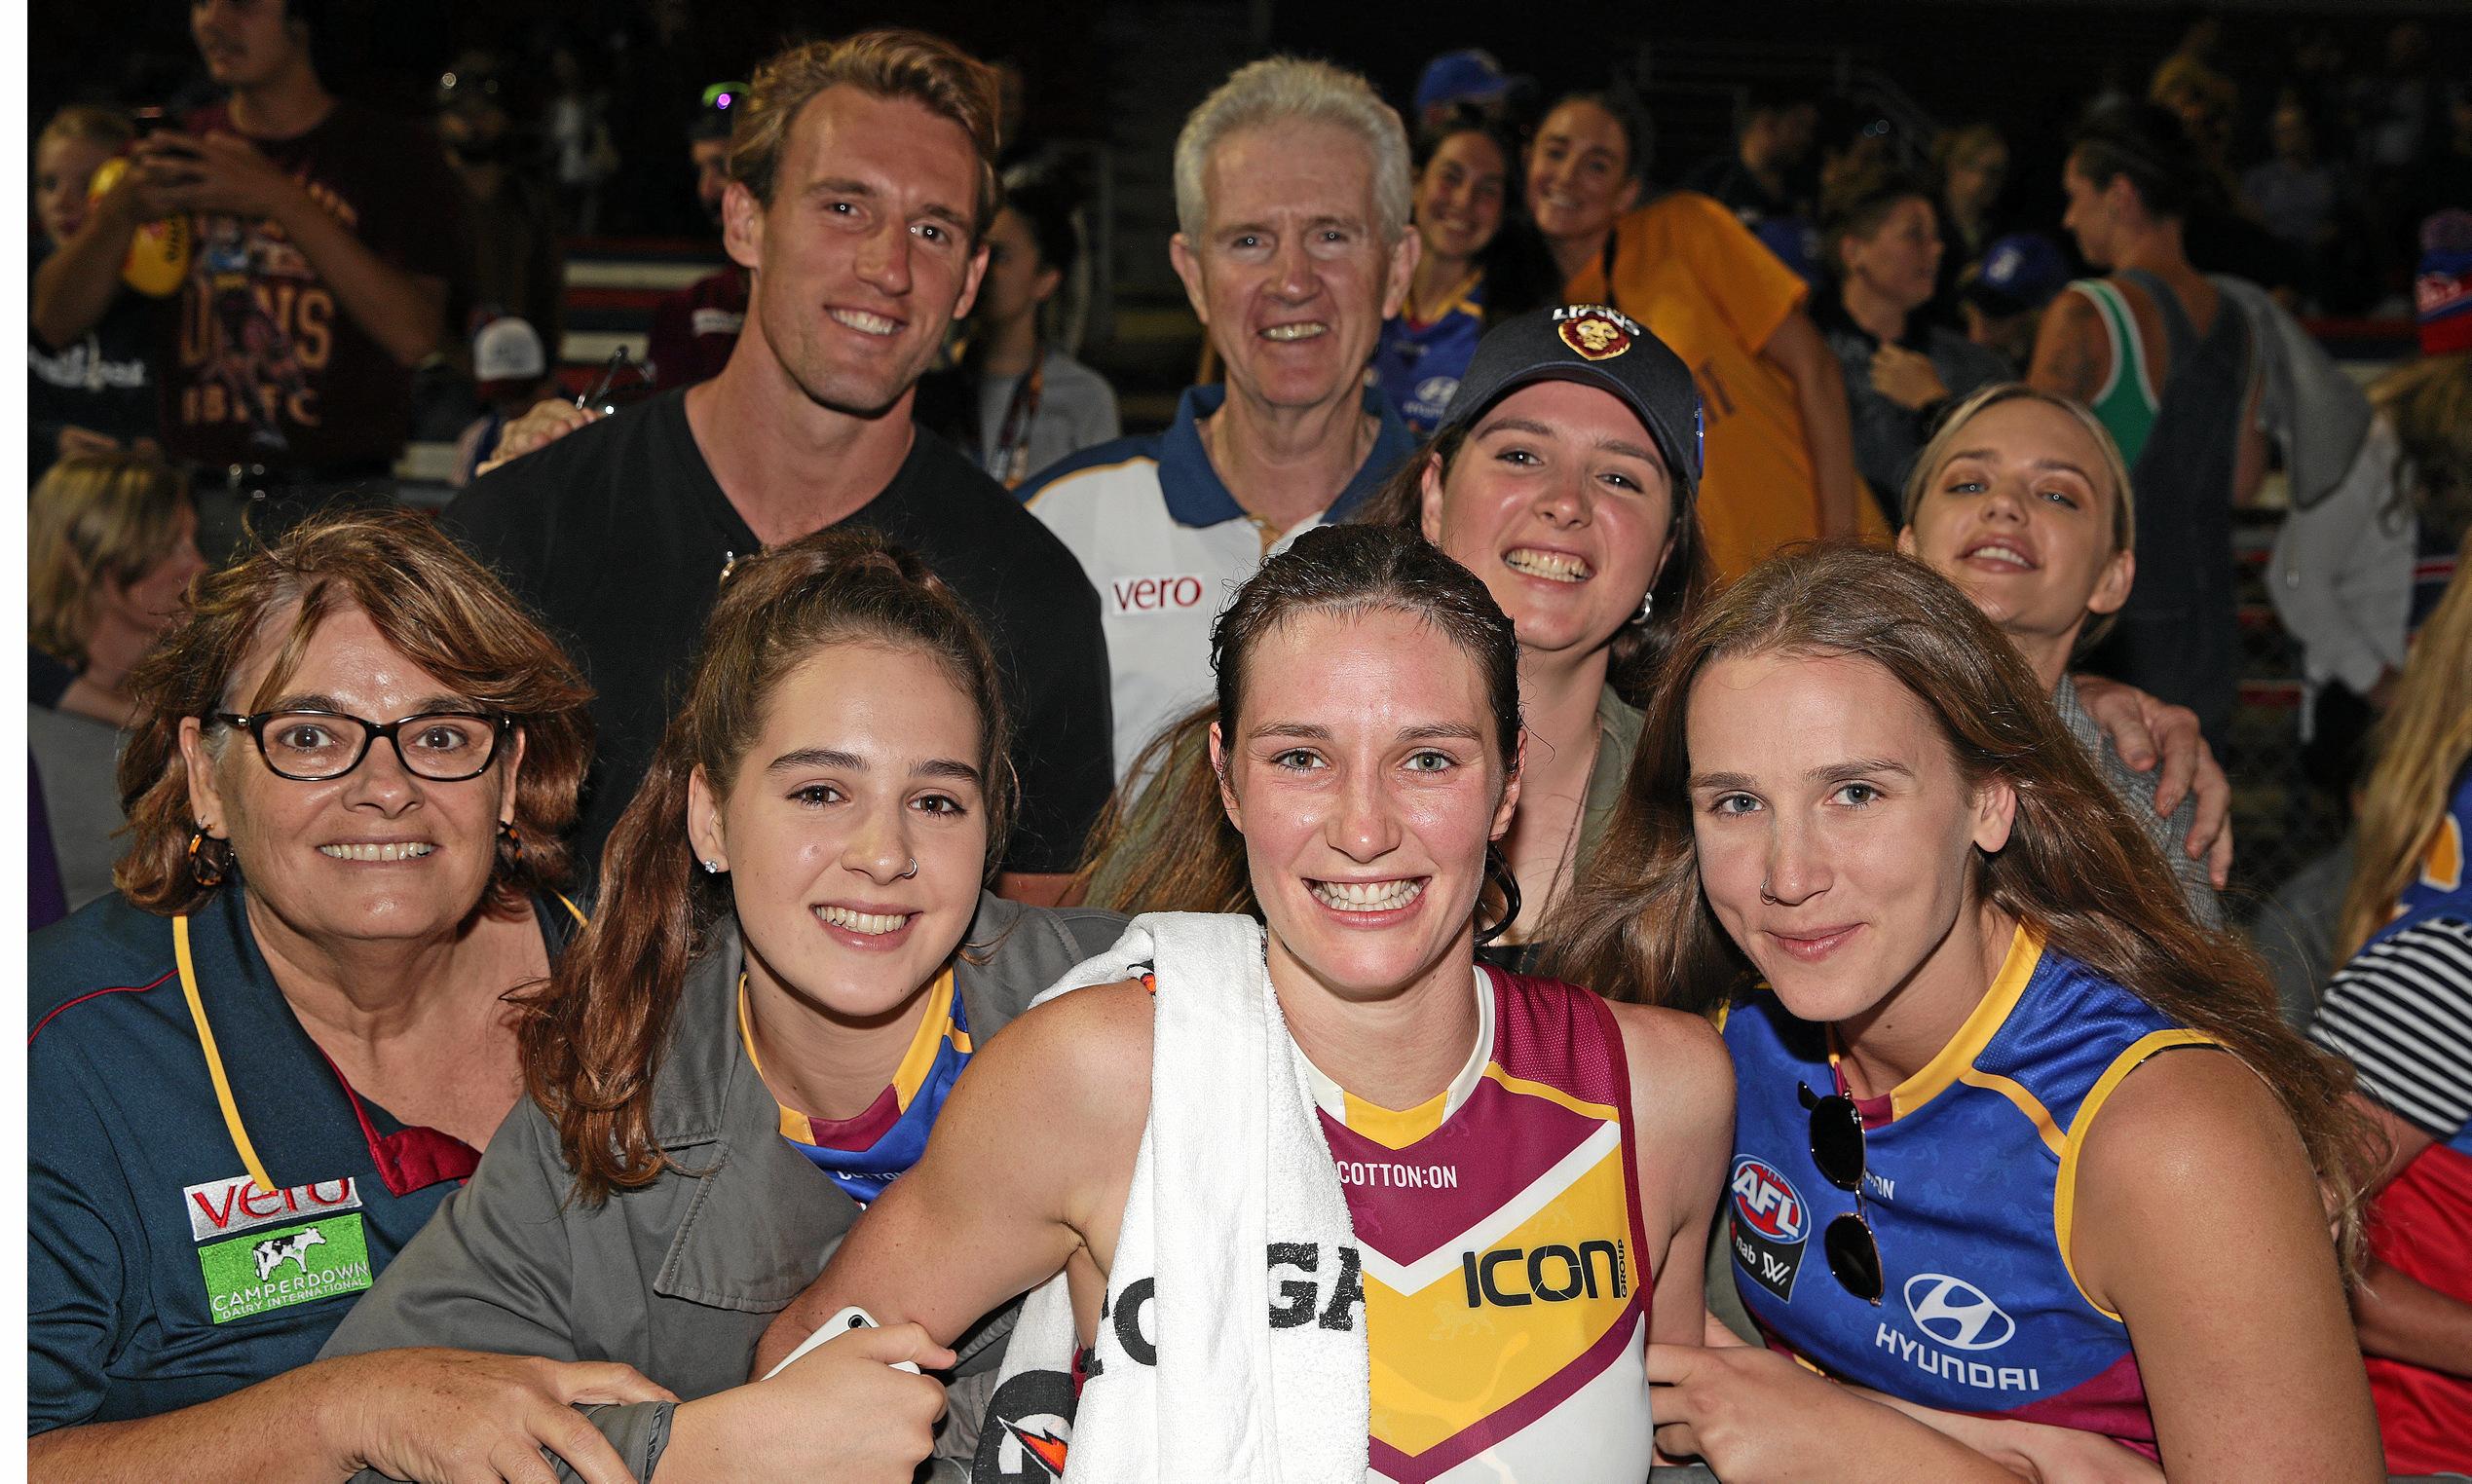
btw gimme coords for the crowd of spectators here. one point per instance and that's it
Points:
(865, 462)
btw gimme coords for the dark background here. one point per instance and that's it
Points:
(1096, 70)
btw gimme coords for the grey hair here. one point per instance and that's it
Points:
(1275, 90)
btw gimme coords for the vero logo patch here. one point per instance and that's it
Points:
(222, 1207)
(296, 1265)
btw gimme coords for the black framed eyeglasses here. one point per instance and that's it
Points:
(315, 746)
(1837, 1148)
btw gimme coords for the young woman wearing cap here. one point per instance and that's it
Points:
(1564, 477)
(1854, 789)
(1517, 1163)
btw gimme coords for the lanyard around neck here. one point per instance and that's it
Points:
(223, 1099)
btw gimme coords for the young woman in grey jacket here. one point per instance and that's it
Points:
(793, 956)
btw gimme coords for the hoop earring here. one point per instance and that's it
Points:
(1498, 875)
(1647, 608)
(204, 869)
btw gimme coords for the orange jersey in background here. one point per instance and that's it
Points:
(1702, 284)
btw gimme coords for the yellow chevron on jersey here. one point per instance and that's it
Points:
(1506, 1305)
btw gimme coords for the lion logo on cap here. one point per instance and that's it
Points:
(1595, 332)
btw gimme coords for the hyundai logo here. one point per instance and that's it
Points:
(1955, 1312)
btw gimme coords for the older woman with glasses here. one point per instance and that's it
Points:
(257, 1068)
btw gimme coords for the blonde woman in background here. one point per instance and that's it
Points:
(111, 543)
(111, 540)
(2401, 1011)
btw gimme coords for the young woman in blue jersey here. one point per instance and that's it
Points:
(1481, 264)
(1941, 949)
(792, 957)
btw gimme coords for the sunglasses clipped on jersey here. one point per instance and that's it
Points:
(1837, 1149)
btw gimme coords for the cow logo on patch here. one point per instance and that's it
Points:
(300, 1265)
(275, 1251)
(1595, 331)
(1769, 1225)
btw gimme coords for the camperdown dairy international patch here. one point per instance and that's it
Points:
(297, 1265)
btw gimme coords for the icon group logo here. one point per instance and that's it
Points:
(1957, 1314)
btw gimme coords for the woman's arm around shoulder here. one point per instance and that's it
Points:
(1682, 1105)
(1028, 1166)
(2199, 1221)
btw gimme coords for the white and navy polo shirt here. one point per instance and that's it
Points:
(1166, 544)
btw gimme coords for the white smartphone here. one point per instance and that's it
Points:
(841, 1324)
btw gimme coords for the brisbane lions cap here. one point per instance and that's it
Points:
(1595, 346)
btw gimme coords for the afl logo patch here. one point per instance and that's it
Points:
(1766, 1203)
(1595, 331)
(1771, 1226)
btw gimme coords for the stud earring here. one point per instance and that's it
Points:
(710, 868)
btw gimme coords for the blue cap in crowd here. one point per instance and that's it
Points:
(1460, 77)
(2019, 273)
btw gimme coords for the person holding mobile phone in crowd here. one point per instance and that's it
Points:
(320, 239)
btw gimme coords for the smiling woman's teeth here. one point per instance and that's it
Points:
(870, 923)
(2008, 554)
(1553, 566)
(402, 852)
(1305, 331)
(1368, 896)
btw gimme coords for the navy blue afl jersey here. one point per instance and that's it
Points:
(1970, 1171)
(1417, 364)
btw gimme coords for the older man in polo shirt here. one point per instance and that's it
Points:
(1291, 196)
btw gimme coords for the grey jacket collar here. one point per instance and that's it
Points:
(762, 1219)
(706, 1084)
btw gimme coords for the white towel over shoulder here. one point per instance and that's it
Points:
(1233, 1344)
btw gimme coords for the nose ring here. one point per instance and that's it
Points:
(911, 872)
(1765, 896)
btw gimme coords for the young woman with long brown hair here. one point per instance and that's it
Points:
(793, 956)
(1940, 945)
